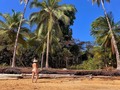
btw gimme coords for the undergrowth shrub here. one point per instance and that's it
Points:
(90, 64)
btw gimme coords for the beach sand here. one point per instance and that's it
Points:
(61, 84)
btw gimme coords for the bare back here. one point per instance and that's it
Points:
(35, 67)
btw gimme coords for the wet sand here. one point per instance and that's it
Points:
(61, 84)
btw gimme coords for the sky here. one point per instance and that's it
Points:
(85, 15)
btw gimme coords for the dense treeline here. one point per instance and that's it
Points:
(52, 42)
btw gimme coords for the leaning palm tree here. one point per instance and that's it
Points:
(18, 31)
(9, 27)
(111, 32)
(48, 16)
(101, 32)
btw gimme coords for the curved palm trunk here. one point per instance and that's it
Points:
(113, 38)
(16, 40)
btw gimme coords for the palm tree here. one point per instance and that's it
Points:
(18, 31)
(101, 32)
(9, 27)
(49, 15)
(40, 41)
(110, 29)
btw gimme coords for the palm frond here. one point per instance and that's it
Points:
(34, 4)
(3, 25)
(99, 1)
(67, 8)
(2, 32)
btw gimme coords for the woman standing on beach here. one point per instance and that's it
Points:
(35, 70)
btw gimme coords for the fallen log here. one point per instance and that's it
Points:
(11, 76)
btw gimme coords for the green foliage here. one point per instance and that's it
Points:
(5, 57)
(103, 35)
(8, 30)
(91, 64)
(74, 50)
(48, 19)
(3, 65)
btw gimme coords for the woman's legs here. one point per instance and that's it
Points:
(36, 76)
(33, 74)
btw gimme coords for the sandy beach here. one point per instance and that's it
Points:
(61, 84)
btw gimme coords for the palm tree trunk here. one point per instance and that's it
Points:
(15, 46)
(50, 25)
(42, 60)
(66, 62)
(42, 56)
(16, 40)
(113, 38)
(47, 52)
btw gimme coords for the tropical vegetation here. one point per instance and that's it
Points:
(51, 41)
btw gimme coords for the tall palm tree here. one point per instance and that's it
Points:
(49, 15)
(9, 27)
(101, 32)
(111, 32)
(18, 31)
